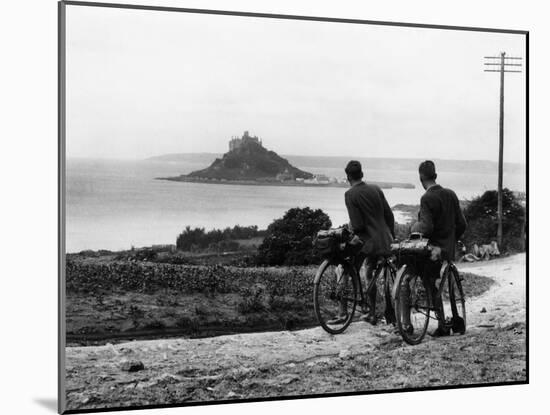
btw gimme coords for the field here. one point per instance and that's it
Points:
(110, 300)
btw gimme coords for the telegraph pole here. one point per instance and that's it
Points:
(506, 64)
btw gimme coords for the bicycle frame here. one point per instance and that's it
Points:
(381, 264)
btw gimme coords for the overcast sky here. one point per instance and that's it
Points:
(145, 83)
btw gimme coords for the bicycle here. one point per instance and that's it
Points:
(412, 299)
(337, 286)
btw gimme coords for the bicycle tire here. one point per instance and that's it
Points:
(412, 298)
(458, 302)
(327, 294)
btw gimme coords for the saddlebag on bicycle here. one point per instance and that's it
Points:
(411, 250)
(325, 246)
(328, 242)
(418, 247)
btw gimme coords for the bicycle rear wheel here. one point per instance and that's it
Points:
(412, 307)
(454, 303)
(334, 297)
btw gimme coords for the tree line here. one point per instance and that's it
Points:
(288, 240)
(199, 238)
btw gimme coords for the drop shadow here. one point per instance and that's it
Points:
(48, 403)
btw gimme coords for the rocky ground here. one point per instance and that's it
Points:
(258, 365)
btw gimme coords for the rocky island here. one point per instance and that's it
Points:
(248, 162)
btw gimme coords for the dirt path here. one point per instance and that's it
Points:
(311, 361)
(505, 301)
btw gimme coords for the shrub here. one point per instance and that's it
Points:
(481, 215)
(216, 239)
(289, 239)
(252, 300)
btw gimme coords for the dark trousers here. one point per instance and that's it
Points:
(370, 265)
(430, 274)
(372, 293)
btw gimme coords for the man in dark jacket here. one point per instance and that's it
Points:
(372, 223)
(441, 220)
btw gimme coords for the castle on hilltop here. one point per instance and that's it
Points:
(237, 142)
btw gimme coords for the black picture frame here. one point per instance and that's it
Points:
(62, 6)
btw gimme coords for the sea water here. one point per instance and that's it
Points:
(117, 204)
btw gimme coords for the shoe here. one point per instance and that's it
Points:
(338, 320)
(390, 319)
(440, 332)
(458, 325)
(369, 318)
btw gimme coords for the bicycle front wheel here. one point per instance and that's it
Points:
(412, 307)
(334, 297)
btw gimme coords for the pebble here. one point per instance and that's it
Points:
(132, 365)
(345, 353)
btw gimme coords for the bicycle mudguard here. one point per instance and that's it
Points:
(397, 282)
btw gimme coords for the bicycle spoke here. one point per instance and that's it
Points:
(412, 308)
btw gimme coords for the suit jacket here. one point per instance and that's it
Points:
(440, 219)
(370, 218)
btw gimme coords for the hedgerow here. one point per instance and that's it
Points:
(152, 277)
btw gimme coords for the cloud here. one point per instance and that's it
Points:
(143, 83)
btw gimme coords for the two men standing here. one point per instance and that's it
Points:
(371, 219)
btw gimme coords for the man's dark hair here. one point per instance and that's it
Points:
(354, 171)
(427, 170)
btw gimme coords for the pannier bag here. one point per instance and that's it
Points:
(329, 242)
(416, 246)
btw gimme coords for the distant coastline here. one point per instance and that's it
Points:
(288, 183)
(371, 163)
